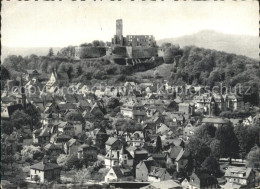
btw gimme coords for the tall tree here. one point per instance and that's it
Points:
(50, 53)
(199, 150)
(158, 147)
(225, 134)
(210, 165)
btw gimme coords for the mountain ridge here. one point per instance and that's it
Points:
(236, 44)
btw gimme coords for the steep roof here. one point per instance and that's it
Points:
(157, 172)
(45, 166)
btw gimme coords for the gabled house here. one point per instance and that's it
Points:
(200, 181)
(30, 74)
(52, 149)
(113, 143)
(243, 176)
(45, 172)
(158, 174)
(143, 169)
(71, 147)
(7, 111)
(119, 157)
(87, 151)
(55, 80)
(116, 174)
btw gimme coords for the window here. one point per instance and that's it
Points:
(125, 161)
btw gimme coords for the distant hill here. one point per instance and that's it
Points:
(237, 44)
(39, 51)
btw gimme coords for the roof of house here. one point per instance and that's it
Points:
(166, 184)
(216, 120)
(148, 164)
(241, 172)
(45, 132)
(45, 166)
(111, 141)
(52, 147)
(157, 172)
(117, 171)
(12, 108)
(175, 151)
(202, 180)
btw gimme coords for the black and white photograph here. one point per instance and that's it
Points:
(130, 94)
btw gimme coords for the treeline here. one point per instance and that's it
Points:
(199, 66)
(86, 71)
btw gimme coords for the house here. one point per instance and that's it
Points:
(158, 174)
(188, 131)
(113, 143)
(55, 80)
(44, 136)
(162, 129)
(243, 176)
(182, 160)
(234, 102)
(143, 169)
(138, 154)
(134, 111)
(87, 151)
(116, 174)
(136, 139)
(99, 137)
(200, 181)
(45, 172)
(52, 149)
(173, 153)
(71, 147)
(186, 108)
(118, 157)
(7, 111)
(30, 74)
(166, 184)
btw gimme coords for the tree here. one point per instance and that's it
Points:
(225, 134)
(4, 73)
(215, 147)
(7, 127)
(33, 115)
(206, 132)
(253, 158)
(44, 67)
(50, 53)
(62, 68)
(20, 119)
(210, 165)
(113, 103)
(79, 70)
(158, 147)
(30, 153)
(199, 150)
(74, 162)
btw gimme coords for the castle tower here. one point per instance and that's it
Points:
(119, 27)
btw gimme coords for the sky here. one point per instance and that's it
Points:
(62, 23)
